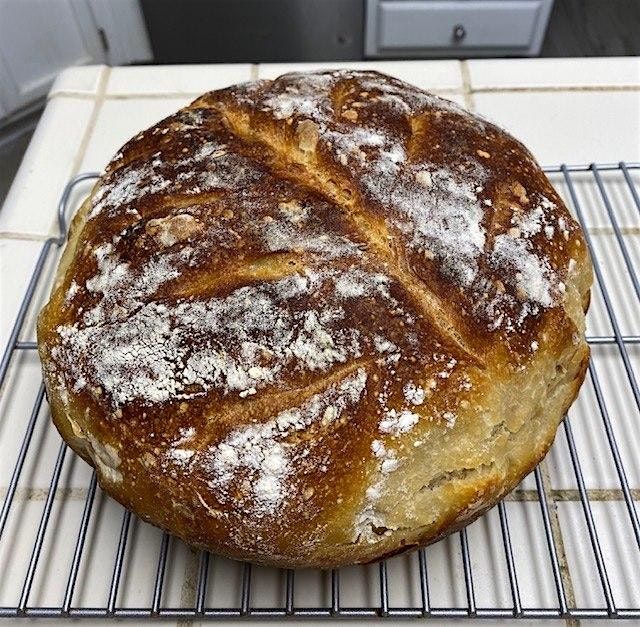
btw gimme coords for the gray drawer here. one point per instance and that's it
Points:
(447, 26)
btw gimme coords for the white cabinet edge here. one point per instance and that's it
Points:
(125, 30)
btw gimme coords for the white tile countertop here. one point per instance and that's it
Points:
(574, 111)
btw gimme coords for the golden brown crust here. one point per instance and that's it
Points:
(325, 318)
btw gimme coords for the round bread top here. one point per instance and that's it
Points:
(280, 292)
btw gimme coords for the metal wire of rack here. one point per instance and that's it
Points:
(203, 603)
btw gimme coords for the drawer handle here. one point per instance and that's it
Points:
(459, 32)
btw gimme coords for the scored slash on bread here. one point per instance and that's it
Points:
(316, 321)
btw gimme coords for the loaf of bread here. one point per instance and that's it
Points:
(316, 321)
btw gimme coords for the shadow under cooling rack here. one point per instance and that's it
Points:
(565, 544)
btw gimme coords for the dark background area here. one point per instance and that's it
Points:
(593, 28)
(193, 31)
(200, 31)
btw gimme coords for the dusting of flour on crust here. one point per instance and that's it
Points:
(262, 454)
(439, 208)
(238, 343)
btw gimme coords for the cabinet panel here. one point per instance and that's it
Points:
(450, 28)
(39, 38)
(457, 24)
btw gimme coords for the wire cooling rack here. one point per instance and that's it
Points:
(565, 544)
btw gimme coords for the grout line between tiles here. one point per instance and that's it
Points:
(446, 90)
(554, 88)
(41, 494)
(466, 85)
(196, 94)
(254, 71)
(558, 540)
(190, 579)
(160, 95)
(466, 88)
(24, 237)
(596, 495)
(68, 93)
(607, 230)
(571, 496)
(99, 100)
(82, 146)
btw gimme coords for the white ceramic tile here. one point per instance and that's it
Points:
(267, 587)
(500, 73)
(587, 426)
(359, 586)
(181, 575)
(187, 79)
(621, 405)
(138, 574)
(445, 573)
(457, 98)
(98, 557)
(592, 202)
(17, 401)
(598, 322)
(580, 556)
(488, 561)
(78, 80)
(224, 582)
(17, 545)
(531, 555)
(425, 74)
(55, 561)
(626, 207)
(16, 404)
(403, 577)
(312, 588)
(140, 565)
(617, 279)
(528, 483)
(30, 205)
(620, 555)
(594, 457)
(52, 573)
(42, 290)
(121, 119)
(569, 127)
(17, 261)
